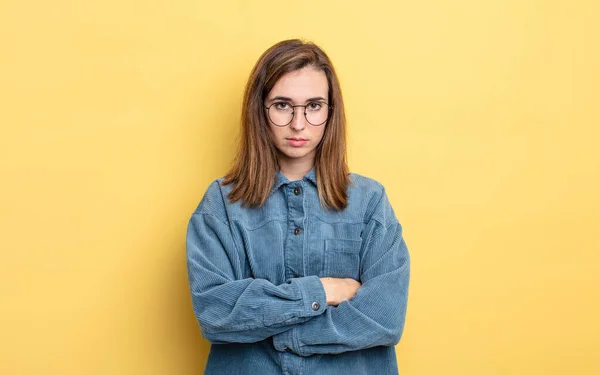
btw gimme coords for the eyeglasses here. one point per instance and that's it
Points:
(282, 113)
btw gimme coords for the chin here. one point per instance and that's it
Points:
(295, 154)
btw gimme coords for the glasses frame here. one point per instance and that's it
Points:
(329, 108)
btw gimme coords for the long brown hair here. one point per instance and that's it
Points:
(255, 166)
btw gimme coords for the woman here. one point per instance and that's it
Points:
(296, 266)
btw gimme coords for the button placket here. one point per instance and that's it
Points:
(295, 243)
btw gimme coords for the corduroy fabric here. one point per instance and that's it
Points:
(254, 279)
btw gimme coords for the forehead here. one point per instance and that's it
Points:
(301, 84)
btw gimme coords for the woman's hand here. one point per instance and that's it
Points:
(338, 290)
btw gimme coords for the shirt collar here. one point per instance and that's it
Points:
(311, 176)
(280, 179)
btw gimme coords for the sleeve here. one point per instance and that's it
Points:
(230, 308)
(376, 314)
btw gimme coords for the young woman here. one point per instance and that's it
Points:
(297, 266)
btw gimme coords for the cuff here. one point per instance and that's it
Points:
(284, 341)
(313, 295)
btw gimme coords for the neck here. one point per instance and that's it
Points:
(294, 170)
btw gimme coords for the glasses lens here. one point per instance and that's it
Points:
(281, 114)
(316, 113)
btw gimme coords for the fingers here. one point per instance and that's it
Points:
(338, 290)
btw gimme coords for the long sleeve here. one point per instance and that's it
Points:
(376, 314)
(230, 308)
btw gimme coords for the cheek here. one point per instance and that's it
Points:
(275, 132)
(319, 132)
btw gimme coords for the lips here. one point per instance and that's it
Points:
(296, 142)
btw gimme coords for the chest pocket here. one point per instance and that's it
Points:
(342, 258)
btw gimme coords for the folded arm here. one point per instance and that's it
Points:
(375, 316)
(231, 308)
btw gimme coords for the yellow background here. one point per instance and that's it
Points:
(480, 118)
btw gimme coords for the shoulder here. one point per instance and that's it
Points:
(371, 196)
(365, 187)
(213, 201)
(365, 184)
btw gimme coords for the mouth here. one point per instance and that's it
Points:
(296, 141)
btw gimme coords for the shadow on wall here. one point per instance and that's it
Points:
(180, 337)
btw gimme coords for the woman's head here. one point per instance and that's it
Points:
(297, 112)
(292, 111)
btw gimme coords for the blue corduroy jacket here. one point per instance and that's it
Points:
(254, 275)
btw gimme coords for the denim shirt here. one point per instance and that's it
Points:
(254, 275)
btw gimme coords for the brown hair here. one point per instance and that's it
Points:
(255, 166)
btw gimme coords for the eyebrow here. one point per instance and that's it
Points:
(285, 98)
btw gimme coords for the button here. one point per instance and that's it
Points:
(297, 191)
(316, 306)
(297, 231)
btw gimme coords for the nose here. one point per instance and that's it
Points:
(299, 120)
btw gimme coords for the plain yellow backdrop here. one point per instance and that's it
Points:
(480, 118)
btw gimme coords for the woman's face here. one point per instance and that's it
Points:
(298, 141)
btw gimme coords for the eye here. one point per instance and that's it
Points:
(282, 106)
(314, 106)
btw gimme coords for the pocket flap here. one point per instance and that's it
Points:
(343, 245)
